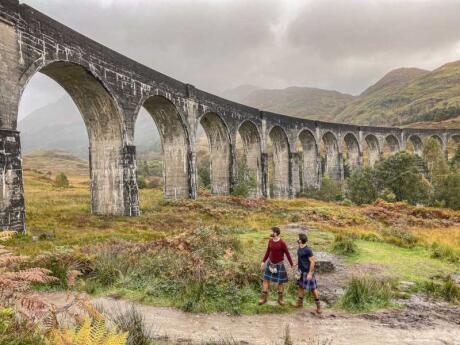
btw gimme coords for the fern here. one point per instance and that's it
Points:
(89, 333)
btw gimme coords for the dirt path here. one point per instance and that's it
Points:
(268, 329)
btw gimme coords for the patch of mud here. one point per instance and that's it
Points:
(417, 312)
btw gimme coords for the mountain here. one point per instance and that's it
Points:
(60, 126)
(423, 97)
(55, 162)
(304, 102)
(396, 77)
(238, 93)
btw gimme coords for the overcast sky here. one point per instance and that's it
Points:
(344, 45)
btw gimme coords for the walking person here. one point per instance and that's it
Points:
(306, 273)
(273, 266)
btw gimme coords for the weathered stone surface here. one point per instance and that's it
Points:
(109, 89)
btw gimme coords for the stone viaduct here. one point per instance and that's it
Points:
(109, 89)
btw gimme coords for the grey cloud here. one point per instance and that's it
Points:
(343, 45)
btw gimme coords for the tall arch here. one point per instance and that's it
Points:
(106, 133)
(219, 144)
(391, 145)
(372, 150)
(310, 165)
(252, 153)
(280, 159)
(174, 146)
(415, 145)
(352, 152)
(332, 166)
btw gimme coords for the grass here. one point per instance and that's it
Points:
(390, 239)
(366, 293)
(344, 245)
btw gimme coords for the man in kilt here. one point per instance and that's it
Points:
(273, 266)
(306, 272)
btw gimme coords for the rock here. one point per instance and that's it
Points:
(46, 236)
(324, 262)
(456, 278)
(405, 285)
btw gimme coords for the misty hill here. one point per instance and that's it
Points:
(55, 162)
(396, 77)
(304, 102)
(428, 97)
(60, 126)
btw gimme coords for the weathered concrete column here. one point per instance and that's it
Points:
(131, 195)
(12, 209)
(294, 172)
(340, 168)
(264, 180)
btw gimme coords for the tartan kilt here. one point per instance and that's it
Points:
(279, 277)
(308, 285)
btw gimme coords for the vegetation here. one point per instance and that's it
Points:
(432, 96)
(344, 245)
(365, 293)
(62, 181)
(246, 182)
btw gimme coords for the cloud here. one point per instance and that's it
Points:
(216, 45)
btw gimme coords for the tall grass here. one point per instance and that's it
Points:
(365, 293)
(132, 321)
(344, 245)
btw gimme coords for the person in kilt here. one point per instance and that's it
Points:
(306, 273)
(273, 266)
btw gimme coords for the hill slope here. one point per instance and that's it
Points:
(55, 162)
(60, 126)
(304, 102)
(429, 97)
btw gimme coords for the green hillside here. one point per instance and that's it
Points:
(430, 97)
(304, 102)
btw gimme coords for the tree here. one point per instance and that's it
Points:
(204, 175)
(436, 164)
(62, 181)
(330, 190)
(141, 182)
(448, 190)
(361, 186)
(245, 182)
(455, 161)
(400, 173)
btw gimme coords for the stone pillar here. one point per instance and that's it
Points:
(12, 210)
(294, 174)
(264, 182)
(233, 165)
(340, 168)
(192, 175)
(130, 188)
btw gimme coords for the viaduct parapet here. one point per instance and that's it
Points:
(109, 89)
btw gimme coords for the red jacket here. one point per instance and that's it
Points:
(276, 251)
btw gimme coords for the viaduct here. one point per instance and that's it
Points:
(109, 89)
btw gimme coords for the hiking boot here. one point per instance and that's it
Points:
(263, 297)
(299, 303)
(280, 298)
(318, 306)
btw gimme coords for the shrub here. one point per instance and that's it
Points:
(400, 238)
(344, 245)
(14, 332)
(62, 181)
(330, 190)
(447, 190)
(132, 322)
(401, 174)
(448, 290)
(365, 293)
(204, 175)
(362, 186)
(444, 252)
(141, 182)
(245, 182)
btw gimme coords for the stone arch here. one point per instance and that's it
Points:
(372, 150)
(252, 147)
(331, 162)
(415, 145)
(110, 193)
(391, 145)
(438, 138)
(352, 155)
(310, 165)
(219, 143)
(175, 146)
(280, 161)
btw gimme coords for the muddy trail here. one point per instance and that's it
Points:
(423, 322)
